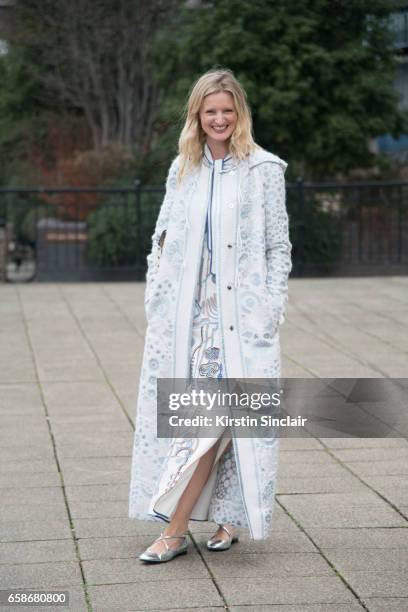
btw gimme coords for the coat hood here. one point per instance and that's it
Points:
(260, 156)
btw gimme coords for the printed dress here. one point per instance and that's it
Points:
(207, 362)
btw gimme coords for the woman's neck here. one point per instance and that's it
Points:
(218, 149)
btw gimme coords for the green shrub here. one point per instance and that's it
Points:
(316, 236)
(28, 230)
(113, 237)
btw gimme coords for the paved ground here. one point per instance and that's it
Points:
(69, 365)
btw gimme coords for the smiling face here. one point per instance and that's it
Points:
(218, 118)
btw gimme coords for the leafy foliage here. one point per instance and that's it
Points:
(117, 235)
(317, 240)
(112, 235)
(318, 74)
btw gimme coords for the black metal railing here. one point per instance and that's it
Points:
(349, 228)
(73, 234)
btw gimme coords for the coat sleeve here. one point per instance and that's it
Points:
(277, 245)
(153, 259)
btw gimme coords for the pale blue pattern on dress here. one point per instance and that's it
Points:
(207, 362)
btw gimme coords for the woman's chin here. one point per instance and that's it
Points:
(219, 137)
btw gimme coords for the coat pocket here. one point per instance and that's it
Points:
(161, 245)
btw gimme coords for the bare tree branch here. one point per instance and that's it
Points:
(95, 56)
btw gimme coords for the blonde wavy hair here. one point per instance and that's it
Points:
(192, 137)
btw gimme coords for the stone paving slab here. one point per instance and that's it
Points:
(212, 609)
(331, 468)
(14, 437)
(93, 394)
(362, 498)
(110, 509)
(95, 419)
(41, 575)
(397, 497)
(399, 467)
(22, 479)
(390, 604)
(21, 412)
(324, 484)
(23, 371)
(295, 590)
(309, 514)
(88, 476)
(36, 512)
(37, 552)
(363, 443)
(97, 429)
(48, 372)
(304, 607)
(111, 527)
(98, 493)
(378, 584)
(293, 444)
(46, 529)
(305, 457)
(31, 452)
(360, 538)
(39, 495)
(267, 565)
(122, 571)
(149, 595)
(11, 432)
(95, 449)
(369, 560)
(371, 454)
(87, 437)
(38, 466)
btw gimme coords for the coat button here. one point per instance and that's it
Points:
(229, 287)
(231, 327)
(231, 205)
(229, 246)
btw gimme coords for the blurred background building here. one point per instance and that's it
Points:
(398, 148)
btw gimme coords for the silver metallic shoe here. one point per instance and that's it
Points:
(167, 554)
(218, 544)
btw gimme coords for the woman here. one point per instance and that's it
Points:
(216, 290)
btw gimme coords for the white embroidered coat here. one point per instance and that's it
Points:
(253, 258)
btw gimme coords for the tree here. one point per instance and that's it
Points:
(318, 73)
(96, 57)
(19, 111)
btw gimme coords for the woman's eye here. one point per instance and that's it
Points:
(211, 112)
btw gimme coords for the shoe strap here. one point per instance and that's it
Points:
(164, 538)
(227, 530)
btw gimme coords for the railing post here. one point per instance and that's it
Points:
(3, 250)
(400, 246)
(138, 192)
(301, 224)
